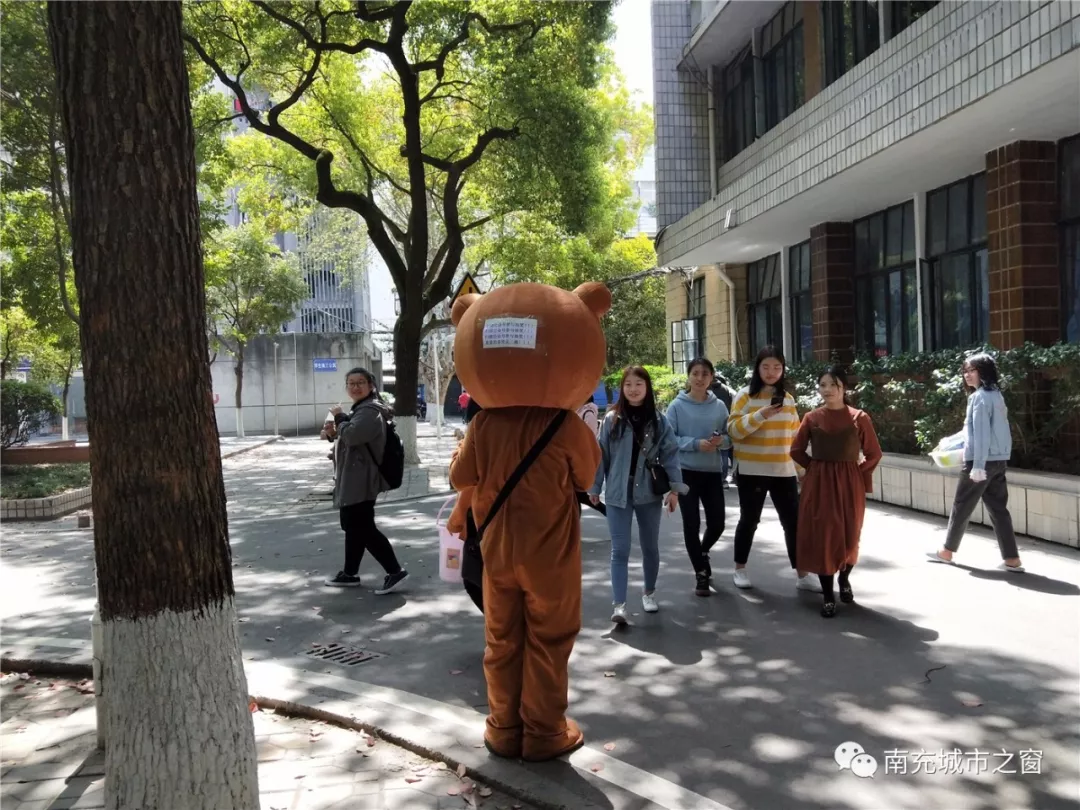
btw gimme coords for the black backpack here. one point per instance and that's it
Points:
(392, 466)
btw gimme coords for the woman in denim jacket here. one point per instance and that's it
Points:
(634, 438)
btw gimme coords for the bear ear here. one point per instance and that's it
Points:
(597, 297)
(462, 304)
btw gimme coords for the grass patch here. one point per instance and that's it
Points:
(42, 480)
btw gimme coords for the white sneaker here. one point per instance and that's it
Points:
(741, 579)
(618, 613)
(648, 601)
(808, 583)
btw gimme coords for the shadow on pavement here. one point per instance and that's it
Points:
(741, 697)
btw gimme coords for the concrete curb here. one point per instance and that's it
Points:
(61, 669)
(248, 449)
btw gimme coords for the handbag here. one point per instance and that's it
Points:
(659, 480)
(472, 560)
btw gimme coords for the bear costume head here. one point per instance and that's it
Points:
(531, 344)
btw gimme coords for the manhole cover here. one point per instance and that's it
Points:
(342, 654)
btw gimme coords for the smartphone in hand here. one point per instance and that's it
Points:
(777, 401)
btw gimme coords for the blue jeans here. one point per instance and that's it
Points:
(620, 519)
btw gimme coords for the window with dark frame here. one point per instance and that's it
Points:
(905, 12)
(688, 335)
(765, 303)
(802, 312)
(956, 291)
(851, 34)
(783, 64)
(1069, 184)
(740, 119)
(886, 291)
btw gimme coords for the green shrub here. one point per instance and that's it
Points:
(25, 408)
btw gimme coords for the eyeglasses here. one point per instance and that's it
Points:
(362, 384)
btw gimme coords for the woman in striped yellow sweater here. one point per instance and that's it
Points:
(762, 425)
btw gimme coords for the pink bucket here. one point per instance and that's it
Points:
(449, 548)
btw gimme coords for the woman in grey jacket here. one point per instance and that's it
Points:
(634, 439)
(358, 482)
(987, 447)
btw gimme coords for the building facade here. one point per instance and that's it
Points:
(878, 177)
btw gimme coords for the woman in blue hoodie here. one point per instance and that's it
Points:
(699, 421)
(638, 449)
(987, 447)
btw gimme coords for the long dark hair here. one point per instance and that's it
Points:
(699, 361)
(756, 383)
(648, 405)
(987, 368)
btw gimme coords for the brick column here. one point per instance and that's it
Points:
(1022, 236)
(832, 290)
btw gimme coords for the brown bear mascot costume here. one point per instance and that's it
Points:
(527, 352)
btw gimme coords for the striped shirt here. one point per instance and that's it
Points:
(763, 446)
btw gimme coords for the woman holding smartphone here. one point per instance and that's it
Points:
(762, 426)
(699, 420)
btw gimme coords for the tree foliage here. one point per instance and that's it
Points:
(24, 409)
(250, 289)
(429, 120)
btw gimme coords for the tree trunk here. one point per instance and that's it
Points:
(239, 371)
(176, 718)
(68, 369)
(407, 331)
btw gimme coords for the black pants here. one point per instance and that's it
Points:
(706, 489)
(785, 497)
(361, 534)
(994, 492)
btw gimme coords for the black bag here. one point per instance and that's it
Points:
(392, 466)
(472, 560)
(658, 477)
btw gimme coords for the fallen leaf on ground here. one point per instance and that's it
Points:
(371, 742)
(596, 768)
(253, 707)
(456, 671)
(461, 770)
(440, 766)
(609, 674)
(485, 792)
(270, 639)
(453, 790)
(609, 747)
(972, 704)
(412, 779)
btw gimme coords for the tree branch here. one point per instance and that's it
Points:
(321, 45)
(438, 64)
(433, 324)
(652, 272)
(482, 142)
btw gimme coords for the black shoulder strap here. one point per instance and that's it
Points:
(523, 467)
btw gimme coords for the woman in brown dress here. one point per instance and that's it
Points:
(834, 490)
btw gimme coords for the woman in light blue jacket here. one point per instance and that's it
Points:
(987, 448)
(638, 446)
(699, 421)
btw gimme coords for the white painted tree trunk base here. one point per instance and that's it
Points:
(178, 728)
(406, 428)
(239, 422)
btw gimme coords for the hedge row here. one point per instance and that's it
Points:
(915, 399)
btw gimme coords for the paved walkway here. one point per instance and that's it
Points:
(51, 760)
(736, 701)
